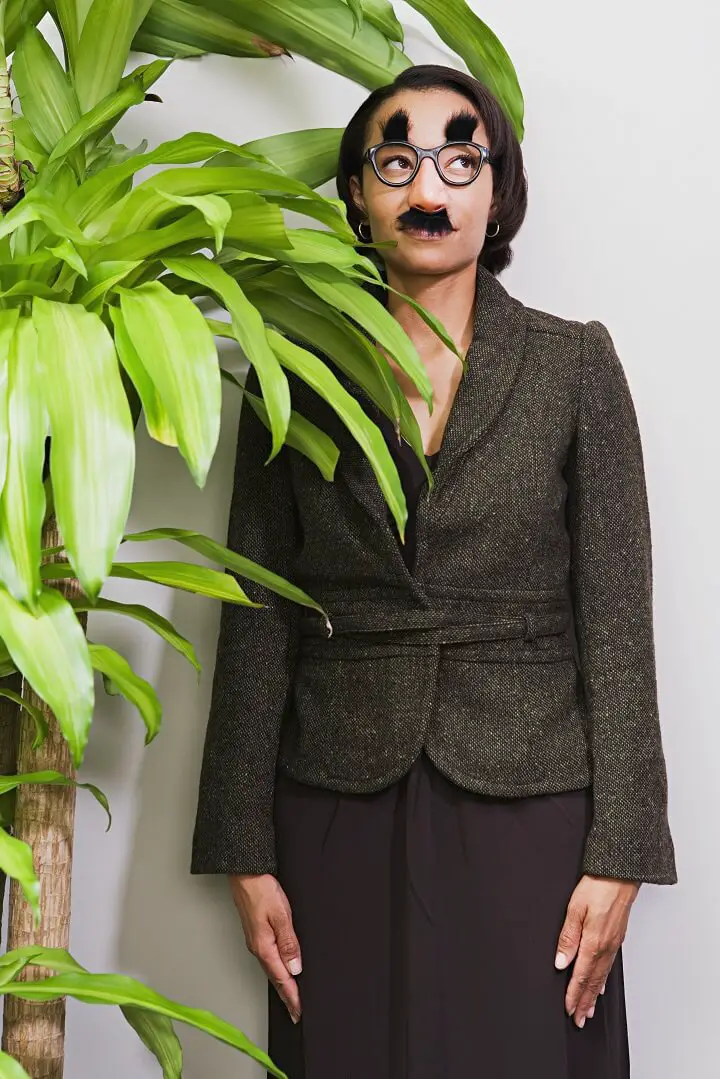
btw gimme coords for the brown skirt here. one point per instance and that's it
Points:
(428, 918)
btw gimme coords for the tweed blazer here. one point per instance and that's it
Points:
(518, 653)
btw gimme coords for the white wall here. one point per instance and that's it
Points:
(622, 157)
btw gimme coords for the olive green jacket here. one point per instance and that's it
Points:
(519, 651)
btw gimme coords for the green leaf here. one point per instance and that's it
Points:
(103, 48)
(22, 504)
(42, 207)
(92, 463)
(157, 420)
(10, 1068)
(302, 435)
(369, 437)
(134, 688)
(111, 107)
(186, 576)
(41, 724)
(8, 322)
(64, 250)
(48, 101)
(332, 286)
(51, 651)
(20, 14)
(310, 155)
(216, 211)
(310, 246)
(381, 14)
(176, 349)
(100, 280)
(461, 29)
(17, 862)
(250, 333)
(123, 990)
(179, 26)
(323, 31)
(244, 567)
(157, 1033)
(149, 618)
(96, 194)
(54, 779)
(66, 15)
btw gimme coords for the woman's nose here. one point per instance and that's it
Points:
(427, 189)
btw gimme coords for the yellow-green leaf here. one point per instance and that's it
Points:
(135, 689)
(17, 862)
(92, 462)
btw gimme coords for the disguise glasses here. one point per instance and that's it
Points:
(458, 163)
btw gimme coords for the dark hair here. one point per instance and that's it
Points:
(509, 178)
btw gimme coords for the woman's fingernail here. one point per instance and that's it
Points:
(295, 966)
(603, 989)
(582, 1022)
(295, 1018)
(591, 1012)
(560, 960)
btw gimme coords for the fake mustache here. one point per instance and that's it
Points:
(436, 223)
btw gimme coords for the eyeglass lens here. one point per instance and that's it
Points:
(458, 163)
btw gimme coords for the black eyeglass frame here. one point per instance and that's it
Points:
(485, 157)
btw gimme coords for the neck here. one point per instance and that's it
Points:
(450, 297)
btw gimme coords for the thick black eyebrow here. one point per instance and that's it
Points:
(397, 126)
(461, 126)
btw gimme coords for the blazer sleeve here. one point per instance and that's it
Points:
(611, 584)
(234, 830)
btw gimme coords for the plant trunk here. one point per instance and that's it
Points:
(10, 177)
(34, 1031)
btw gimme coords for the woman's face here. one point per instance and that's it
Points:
(427, 118)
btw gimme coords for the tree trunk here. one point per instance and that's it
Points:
(9, 719)
(34, 1031)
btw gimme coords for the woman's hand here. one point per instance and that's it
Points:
(594, 928)
(267, 923)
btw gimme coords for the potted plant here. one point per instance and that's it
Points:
(99, 330)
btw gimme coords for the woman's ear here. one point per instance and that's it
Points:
(357, 195)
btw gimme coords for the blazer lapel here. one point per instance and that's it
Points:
(494, 360)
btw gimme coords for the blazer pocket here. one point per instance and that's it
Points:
(513, 723)
(357, 715)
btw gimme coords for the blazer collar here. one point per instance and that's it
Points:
(494, 359)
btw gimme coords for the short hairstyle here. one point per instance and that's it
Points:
(509, 177)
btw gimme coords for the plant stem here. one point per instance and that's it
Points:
(11, 185)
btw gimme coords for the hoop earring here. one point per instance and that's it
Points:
(367, 238)
(492, 235)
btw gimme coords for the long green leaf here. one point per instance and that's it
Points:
(123, 990)
(483, 52)
(224, 556)
(48, 100)
(111, 107)
(381, 14)
(322, 30)
(310, 155)
(66, 15)
(92, 462)
(8, 322)
(135, 689)
(157, 419)
(43, 207)
(176, 349)
(249, 329)
(179, 24)
(18, 16)
(41, 724)
(51, 651)
(334, 287)
(22, 505)
(104, 44)
(100, 279)
(53, 779)
(157, 1033)
(16, 861)
(98, 192)
(186, 576)
(147, 617)
(369, 437)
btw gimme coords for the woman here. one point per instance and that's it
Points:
(436, 822)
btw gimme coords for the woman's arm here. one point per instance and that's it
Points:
(611, 581)
(234, 830)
